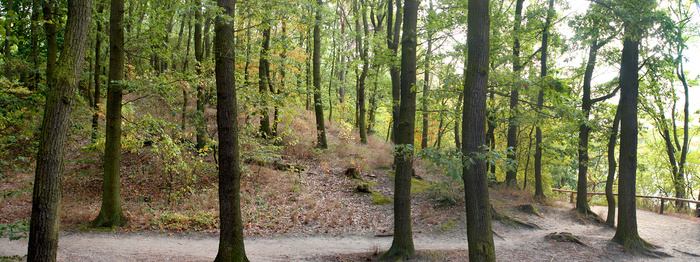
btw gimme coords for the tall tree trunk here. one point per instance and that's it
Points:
(478, 206)
(512, 174)
(626, 232)
(8, 35)
(36, 77)
(111, 209)
(539, 191)
(201, 120)
(46, 196)
(393, 32)
(458, 145)
(402, 244)
(318, 103)
(263, 83)
(362, 46)
(426, 85)
(612, 168)
(51, 36)
(680, 73)
(491, 132)
(97, 74)
(231, 246)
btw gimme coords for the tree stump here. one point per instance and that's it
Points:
(529, 209)
(565, 237)
(352, 173)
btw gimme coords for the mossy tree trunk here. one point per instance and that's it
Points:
(318, 103)
(478, 206)
(231, 246)
(111, 210)
(402, 244)
(46, 196)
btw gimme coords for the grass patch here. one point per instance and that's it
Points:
(381, 200)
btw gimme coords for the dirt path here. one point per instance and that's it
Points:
(673, 234)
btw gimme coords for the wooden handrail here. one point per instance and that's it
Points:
(661, 211)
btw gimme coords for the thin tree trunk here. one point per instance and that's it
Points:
(539, 191)
(362, 46)
(9, 4)
(612, 168)
(46, 195)
(426, 85)
(111, 209)
(51, 36)
(393, 35)
(318, 103)
(201, 120)
(512, 173)
(97, 74)
(36, 77)
(263, 84)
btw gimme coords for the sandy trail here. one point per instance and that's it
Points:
(673, 234)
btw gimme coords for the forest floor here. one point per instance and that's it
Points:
(303, 210)
(675, 235)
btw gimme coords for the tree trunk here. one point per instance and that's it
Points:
(627, 233)
(393, 32)
(231, 246)
(402, 245)
(97, 74)
(111, 209)
(478, 207)
(458, 144)
(201, 120)
(318, 103)
(46, 196)
(8, 34)
(426, 86)
(362, 46)
(51, 36)
(36, 77)
(512, 174)
(539, 191)
(612, 168)
(263, 84)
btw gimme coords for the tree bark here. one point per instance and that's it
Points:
(201, 120)
(362, 46)
(51, 36)
(231, 246)
(111, 209)
(539, 191)
(402, 244)
(263, 83)
(478, 207)
(393, 34)
(318, 103)
(46, 196)
(512, 174)
(97, 74)
(612, 168)
(426, 86)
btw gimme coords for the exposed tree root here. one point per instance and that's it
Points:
(639, 246)
(529, 209)
(686, 253)
(587, 215)
(397, 254)
(508, 220)
(565, 237)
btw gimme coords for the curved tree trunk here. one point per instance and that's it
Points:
(612, 168)
(46, 196)
(111, 210)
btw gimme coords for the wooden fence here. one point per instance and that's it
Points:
(662, 199)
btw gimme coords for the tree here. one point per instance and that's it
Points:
(111, 209)
(9, 4)
(362, 47)
(318, 103)
(402, 244)
(626, 233)
(46, 196)
(512, 173)
(539, 192)
(98, 61)
(476, 195)
(612, 169)
(393, 33)
(201, 120)
(426, 84)
(231, 246)
(264, 83)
